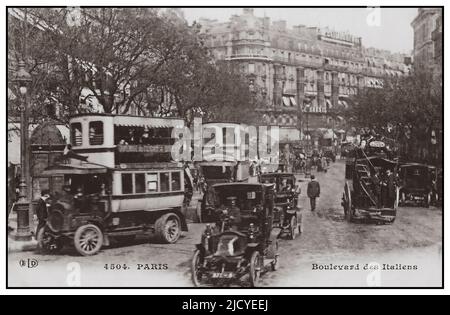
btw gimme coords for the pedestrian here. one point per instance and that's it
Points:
(391, 188)
(313, 192)
(41, 210)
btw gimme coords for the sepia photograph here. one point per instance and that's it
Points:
(224, 147)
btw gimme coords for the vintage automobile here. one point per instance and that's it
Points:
(243, 240)
(286, 212)
(111, 189)
(366, 195)
(217, 172)
(415, 184)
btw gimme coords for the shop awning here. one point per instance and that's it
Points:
(74, 169)
(151, 122)
(328, 103)
(286, 101)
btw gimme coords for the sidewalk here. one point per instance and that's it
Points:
(20, 246)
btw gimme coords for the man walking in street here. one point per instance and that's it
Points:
(41, 210)
(313, 192)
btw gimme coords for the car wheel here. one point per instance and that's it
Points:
(300, 227)
(293, 227)
(168, 228)
(88, 240)
(427, 200)
(275, 264)
(195, 268)
(47, 243)
(348, 204)
(255, 269)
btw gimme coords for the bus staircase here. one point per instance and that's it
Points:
(365, 182)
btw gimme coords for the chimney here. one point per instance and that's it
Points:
(248, 11)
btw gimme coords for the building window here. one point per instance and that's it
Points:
(251, 68)
(75, 134)
(127, 183)
(176, 181)
(139, 183)
(164, 182)
(96, 133)
(152, 182)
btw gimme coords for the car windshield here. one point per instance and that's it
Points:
(247, 197)
(282, 182)
(416, 177)
(217, 172)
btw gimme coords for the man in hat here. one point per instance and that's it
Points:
(234, 211)
(41, 209)
(313, 192)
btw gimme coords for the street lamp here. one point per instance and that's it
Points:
(22, 78)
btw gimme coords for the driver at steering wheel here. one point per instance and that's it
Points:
(233, 211)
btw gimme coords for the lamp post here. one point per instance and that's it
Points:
(22, 78)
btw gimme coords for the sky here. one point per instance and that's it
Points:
(385, 28)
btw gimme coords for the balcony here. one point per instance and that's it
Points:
(303, 63)
(248, 57)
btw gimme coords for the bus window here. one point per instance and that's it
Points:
(228, 136)
(139, 183)
(96, 133)
(75, 134)
(127, 183)
(164, 182)
(176, 181)
(152, 182)
(209, 136)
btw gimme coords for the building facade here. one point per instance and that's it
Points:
(427, 27)
(303, 73)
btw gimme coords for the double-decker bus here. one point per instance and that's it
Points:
(119, 181)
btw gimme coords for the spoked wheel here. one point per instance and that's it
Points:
(427, 199)
(168, 228)
(293, 227)
(48, 243)
(255, 269)
(300, 224)
(88, 239)
(348, 204)
(275, 264)
(196, 268)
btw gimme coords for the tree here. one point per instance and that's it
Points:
(122, 57)
(411, 105)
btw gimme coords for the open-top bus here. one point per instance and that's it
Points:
(371, 191)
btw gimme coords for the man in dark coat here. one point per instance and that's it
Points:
(41, 209)
(391, 187)
(313, 192)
